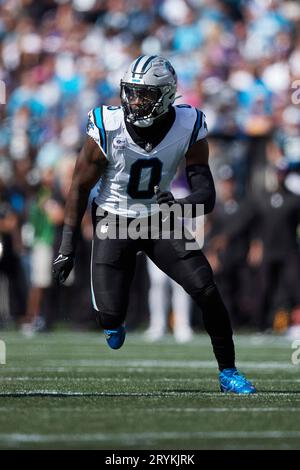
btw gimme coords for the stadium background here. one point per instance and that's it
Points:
(237, 60)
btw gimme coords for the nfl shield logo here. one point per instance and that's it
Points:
(119, 143)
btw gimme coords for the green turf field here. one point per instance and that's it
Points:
(69, 390)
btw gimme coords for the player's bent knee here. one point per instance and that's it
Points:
(209, 289)
(110, 321)
(201, 283)
(206, 291)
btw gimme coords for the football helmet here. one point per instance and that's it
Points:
(148, 88)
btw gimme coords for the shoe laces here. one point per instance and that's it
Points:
(109, 333)
(237, 379)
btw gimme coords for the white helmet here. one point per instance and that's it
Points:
(148, 88)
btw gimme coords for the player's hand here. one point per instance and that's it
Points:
(61, 268)
(165, 197)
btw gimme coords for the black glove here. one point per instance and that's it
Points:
(61, 268)
(165, 197)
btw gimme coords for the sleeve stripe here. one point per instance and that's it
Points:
(98, 117)
(197, 127)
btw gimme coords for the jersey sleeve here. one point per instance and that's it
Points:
(96, 130)
(200, 130)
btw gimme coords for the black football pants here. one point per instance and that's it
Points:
(112, 270)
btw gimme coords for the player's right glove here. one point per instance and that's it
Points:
(61, 268)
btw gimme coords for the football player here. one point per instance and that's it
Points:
(131, 150)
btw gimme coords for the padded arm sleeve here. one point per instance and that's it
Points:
(203, 189)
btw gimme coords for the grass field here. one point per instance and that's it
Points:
(70, 391)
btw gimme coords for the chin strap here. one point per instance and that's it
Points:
(144, 122)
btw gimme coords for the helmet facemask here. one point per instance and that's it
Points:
(143, 102)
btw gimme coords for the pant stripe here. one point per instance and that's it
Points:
(92, 288)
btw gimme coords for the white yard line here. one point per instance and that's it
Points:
(124, 379)
(131, 438)
(198, 379)
(156, 394)
(228, 409)
(63, 365)
(169, 410)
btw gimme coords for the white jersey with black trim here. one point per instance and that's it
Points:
(127, 185)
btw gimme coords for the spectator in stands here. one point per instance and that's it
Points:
(234, 59)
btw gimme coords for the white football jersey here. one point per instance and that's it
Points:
(127, 185)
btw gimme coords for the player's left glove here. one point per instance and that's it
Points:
(165, 197)
(61, 268)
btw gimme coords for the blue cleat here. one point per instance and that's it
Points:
(115, 338)
(232, 381)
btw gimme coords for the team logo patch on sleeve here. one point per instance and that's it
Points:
(119, 143)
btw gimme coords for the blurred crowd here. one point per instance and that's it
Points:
(238, 60)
